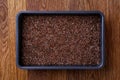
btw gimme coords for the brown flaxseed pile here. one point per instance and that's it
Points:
(61, 40)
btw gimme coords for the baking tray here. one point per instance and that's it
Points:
(18, 39)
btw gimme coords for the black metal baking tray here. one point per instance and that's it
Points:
(19, 18)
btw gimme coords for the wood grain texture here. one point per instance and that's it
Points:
(8, 11)
(4, 41)
(14, 7)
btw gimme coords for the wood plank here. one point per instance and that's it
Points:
(8, 70)
(4, 41)
(15, 6)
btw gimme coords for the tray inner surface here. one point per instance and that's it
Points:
(60, 40)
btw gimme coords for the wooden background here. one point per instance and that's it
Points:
(8, 11)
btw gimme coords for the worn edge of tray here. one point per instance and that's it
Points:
(102, 40)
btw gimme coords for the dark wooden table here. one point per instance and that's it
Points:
(8, 11)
